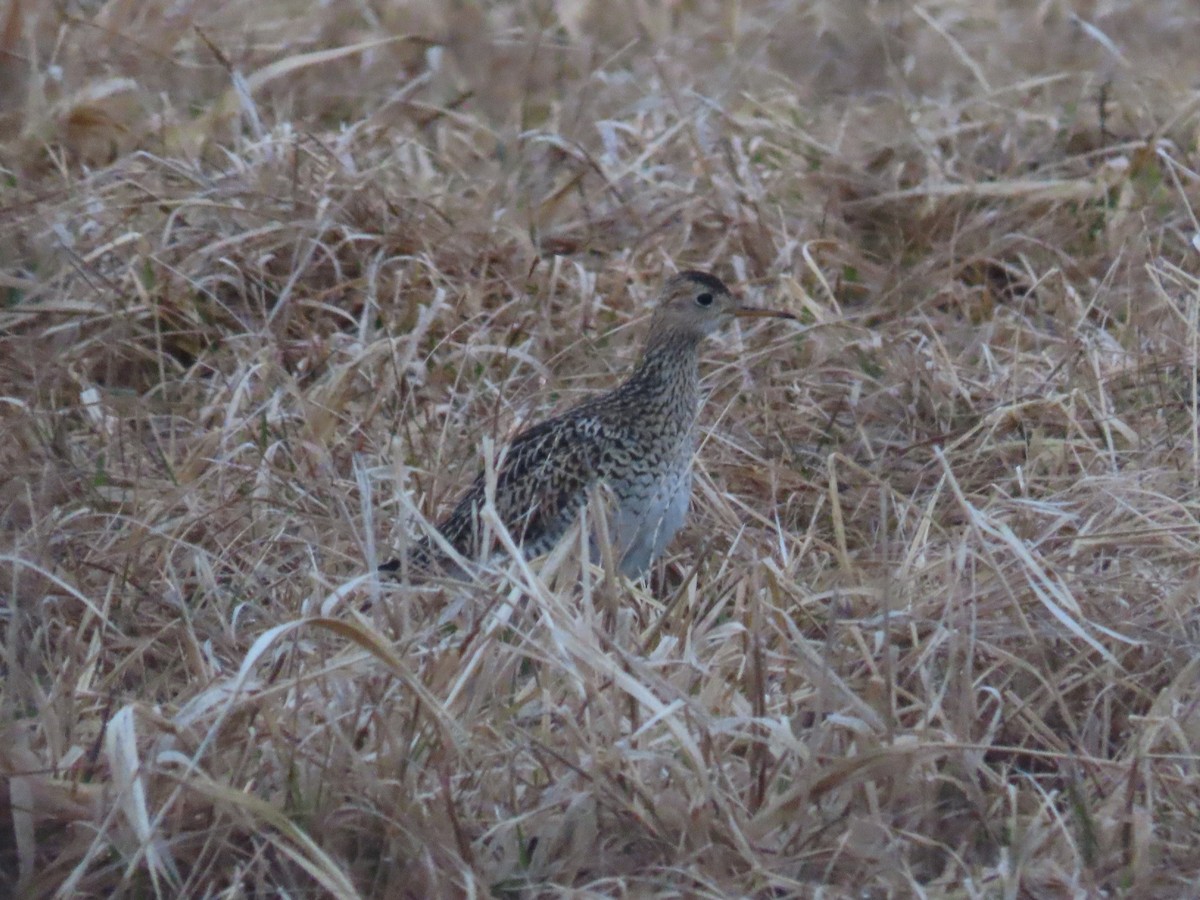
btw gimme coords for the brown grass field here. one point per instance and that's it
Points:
(275, 275)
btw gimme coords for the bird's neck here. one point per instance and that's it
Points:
(669, 369)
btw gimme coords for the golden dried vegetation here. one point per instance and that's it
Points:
(272, 273)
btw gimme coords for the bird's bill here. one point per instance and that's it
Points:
(751, 312)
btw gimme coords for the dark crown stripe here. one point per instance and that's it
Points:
(712, 282)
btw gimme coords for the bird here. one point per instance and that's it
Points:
(638, 440)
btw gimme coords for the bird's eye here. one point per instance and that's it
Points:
(704, 299)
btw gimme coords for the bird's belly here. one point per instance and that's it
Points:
(647, 517)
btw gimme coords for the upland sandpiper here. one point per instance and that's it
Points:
(637, 440)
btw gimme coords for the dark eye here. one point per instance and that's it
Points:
(704, 299)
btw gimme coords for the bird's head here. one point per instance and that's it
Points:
(697, 303)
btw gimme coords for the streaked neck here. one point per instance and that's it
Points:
(668, 374)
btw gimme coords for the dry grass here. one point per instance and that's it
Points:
(273, 272)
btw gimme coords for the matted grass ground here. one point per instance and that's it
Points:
(274, 273)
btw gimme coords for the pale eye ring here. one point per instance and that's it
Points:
(705, 299)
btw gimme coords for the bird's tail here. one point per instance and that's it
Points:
(421, 561)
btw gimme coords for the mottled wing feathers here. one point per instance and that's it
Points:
(542, 482)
